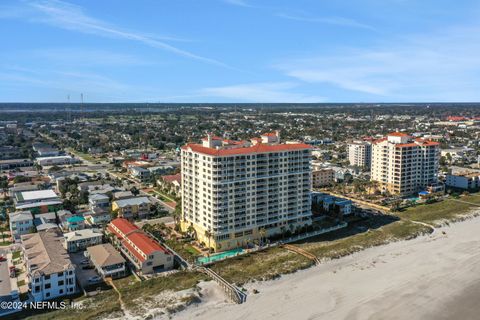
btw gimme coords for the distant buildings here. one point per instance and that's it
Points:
(233, 189)
(146, 254)
(56, 160)
(50, 272)
(403, 165)
(360, 154)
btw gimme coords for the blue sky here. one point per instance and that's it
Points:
(240, 50)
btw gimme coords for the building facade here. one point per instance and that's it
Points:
(323, 177)
(145, 254)
(50, 272)
(463, 180)
(403, 165)
(21, 222)
(360, 154)
(232, 190)
(82, 239)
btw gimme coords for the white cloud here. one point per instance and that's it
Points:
(72, 17)
(260, 92)
(337, 21)
(432, 67)
(240, 3)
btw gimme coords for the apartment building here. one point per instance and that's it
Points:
(145, 254)
(81, 239)
(463, 180)
(403, 165)
(233, 189)
(132, 208)
(360, 154)
(323, 177)
(50, 272)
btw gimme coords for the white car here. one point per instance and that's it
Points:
(94, 279)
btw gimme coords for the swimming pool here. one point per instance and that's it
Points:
(220, 256)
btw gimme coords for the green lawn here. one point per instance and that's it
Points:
(263, 265)
(445, 210)
(16, 254)
(21, 283)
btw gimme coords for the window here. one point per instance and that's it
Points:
(47, 277)
(61, 291)
(60, 283)
(48, 285)
(47, 294)
(60, 274)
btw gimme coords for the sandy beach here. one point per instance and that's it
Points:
(431, 277)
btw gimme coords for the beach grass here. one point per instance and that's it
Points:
(261, 265)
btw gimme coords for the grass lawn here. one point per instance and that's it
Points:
(21, 283)
(134, 292)
(445, 210)
(338, 246)
(263, 265)
(16, 254)
(101, 306)
(6, 243)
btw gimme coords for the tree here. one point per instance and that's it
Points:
(134, 191)
(263, 233)
(208, 235)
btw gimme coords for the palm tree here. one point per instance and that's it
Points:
(262, 232)
(208, 235)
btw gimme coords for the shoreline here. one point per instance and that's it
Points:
(427, 277)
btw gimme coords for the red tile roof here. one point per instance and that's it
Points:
(398, 134)
(124, 225)
(259, 148)
(132, 250)
(174, 177)
(269, 134)
(146, 244)
(137, 236)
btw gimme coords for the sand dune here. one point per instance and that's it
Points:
(431, 277)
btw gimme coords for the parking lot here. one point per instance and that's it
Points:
(83, 274)
(5, 287)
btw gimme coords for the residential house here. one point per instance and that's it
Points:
(132, 208)
(171, 183)
(108, 262)
(79, 240)
(21, 222)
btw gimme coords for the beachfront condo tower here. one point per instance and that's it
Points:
(403, 165)
(235, 193)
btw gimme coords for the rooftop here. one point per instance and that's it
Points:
(45, 253)
(82, 234)
(21, 216)
(105, 255)
(36, 195)
(132, 201)
(258, 148)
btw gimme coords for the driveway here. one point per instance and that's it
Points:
(82, 274)
(5, 287)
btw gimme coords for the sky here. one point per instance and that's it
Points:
(240, 51)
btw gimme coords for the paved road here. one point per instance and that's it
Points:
(5, 287)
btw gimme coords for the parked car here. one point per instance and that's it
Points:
(94, 279)
(2, 258)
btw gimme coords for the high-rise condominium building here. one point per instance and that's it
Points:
(360, 154)
(235, 192)
(403, 165)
